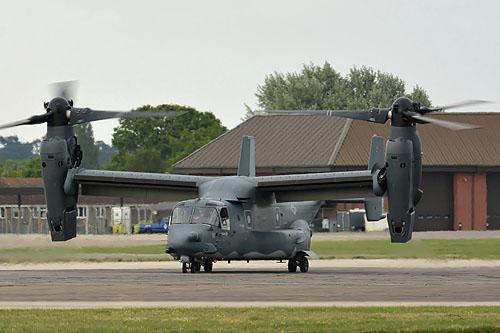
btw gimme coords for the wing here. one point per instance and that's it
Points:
(319, 186)
(138, 184)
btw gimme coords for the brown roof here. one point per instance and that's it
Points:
(316, 143)
(20, 182)
(441, 147)
(280, 142)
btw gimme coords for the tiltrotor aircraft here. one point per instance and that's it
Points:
(240, 217)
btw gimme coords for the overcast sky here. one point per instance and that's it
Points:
(212, 55)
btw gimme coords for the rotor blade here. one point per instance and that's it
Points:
(453, 106)
(42, 118)
(376, 115)
(444, 123)
(86, 115)
(64, 89)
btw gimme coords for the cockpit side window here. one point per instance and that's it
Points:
(182, 215)
(206, 215)
(224, 216)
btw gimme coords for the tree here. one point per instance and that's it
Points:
(154, 144)
(106, 152)
(323, 88)
(249, 113)
(21, 168)
(12, 149)
(85, 137)
(32, 168)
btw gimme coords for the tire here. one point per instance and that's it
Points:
(197, 265)
(184, 267)
(304, 264)
(292, 265)
(207, 267)
(193, 267)
(148, 231)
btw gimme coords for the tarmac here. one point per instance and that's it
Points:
(265, 283)
(340, 282)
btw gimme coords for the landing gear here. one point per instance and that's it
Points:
(207, 267)
(300, 261)
(304, 264)
(292, 265)
(195, 266)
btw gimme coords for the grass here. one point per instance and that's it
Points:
(360, 249)
(308, 319)
(423, 249)
(65, 253)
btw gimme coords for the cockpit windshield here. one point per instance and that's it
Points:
(182, 215)
(206, 215)
(201, 215)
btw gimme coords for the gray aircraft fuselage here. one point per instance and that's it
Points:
(233, 220)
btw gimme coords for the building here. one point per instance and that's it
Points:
(461, 169)
(25, 211)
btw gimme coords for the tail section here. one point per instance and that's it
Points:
(246, 167)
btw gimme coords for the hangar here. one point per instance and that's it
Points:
(461, 169)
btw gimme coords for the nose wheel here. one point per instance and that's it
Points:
(192, 266)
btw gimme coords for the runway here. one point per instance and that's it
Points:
(329, 282)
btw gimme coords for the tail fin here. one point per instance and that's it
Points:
(247, 157)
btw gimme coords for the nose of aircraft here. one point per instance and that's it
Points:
(194, 237)
(183, 240)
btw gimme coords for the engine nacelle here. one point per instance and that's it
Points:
(56, 152)
(399, 179)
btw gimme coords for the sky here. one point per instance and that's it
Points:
(212, 55)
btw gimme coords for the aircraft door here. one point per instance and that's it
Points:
(221, 237)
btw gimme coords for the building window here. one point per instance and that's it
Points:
(82, 211)
(99, 211)
(15, 212)
(43, 212)
(2, 212)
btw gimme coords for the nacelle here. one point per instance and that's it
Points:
(57, 160)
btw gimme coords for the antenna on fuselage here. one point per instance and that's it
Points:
(246, 166)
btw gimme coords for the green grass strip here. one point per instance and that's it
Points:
(421, 249)
(308, 319)
(437, 249)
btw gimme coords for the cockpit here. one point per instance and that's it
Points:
(208, 212)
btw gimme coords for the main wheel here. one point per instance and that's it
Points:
(207, 267)
(184, 267)
(193, 267)
(292, 265)
(304, 264)
(197, 266)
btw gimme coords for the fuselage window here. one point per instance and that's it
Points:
(206, 215)
(249, 219)
(181, 215)
(224, 216)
